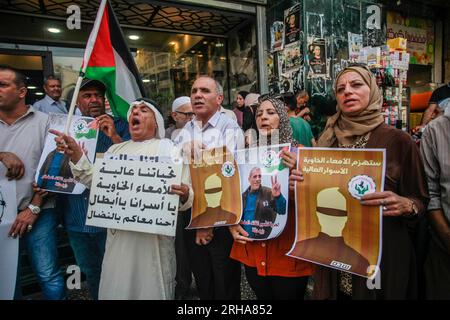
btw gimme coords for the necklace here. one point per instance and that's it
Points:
(358, 144)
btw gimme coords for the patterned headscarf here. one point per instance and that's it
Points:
(347, 129)
(284, 129)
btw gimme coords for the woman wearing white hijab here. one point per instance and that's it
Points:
(136, 265)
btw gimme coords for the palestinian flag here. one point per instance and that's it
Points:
(109, 60)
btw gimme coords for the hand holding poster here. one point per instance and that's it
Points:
(333, 228)
(217, 194)
(265, 181)
(132, 193)
(53, 172)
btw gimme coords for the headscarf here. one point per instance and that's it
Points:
(160, 132)
(347, 129)
(284, 129)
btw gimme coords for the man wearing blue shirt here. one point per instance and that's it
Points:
(52, 101)
(261, 205)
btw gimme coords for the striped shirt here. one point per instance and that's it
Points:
(435, 149)
(74, 207)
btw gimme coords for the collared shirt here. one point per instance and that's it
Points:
(74, 207)
(48, 105)
(26, 139)
(229, 113)
(219, 131)
(435, 150)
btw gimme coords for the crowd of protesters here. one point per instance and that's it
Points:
(132, 265)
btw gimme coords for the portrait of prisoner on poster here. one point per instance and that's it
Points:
(53, 172)
(265, 194)
(333, 228)
(217, 196)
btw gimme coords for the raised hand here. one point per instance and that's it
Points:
(276, 187)
(68, 145)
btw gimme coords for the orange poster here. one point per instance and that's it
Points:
(217, 192)
(333, 229)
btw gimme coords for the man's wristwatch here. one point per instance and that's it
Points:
(34, 209)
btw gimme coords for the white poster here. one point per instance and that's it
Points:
(53, 172)
(265, 191)
(132, 193)
(9, 247)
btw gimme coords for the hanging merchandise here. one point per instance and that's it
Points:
(390, 66)
(277, 36)
(292, 24)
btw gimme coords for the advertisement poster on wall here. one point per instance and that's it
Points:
(419, 33)
(277, 36)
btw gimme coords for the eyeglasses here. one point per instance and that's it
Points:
(187, 114)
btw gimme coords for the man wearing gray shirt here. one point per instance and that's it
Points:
(52, 101)
(22, 138)
(217, 275)
(435, 149)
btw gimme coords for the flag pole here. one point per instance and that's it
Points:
(72, 104)
(86, 57)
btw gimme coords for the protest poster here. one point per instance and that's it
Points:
(265, 191)
(277, 36)
(53, 172)
(9, 247)
(333, 229)
(292, 24)
(217, 193)
(132, 193)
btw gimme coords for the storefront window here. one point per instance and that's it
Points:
(168, 62)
